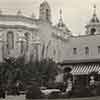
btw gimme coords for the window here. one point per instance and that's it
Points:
(74, 51)
(10, 40)
(86, 51)
(98, 49)
(47, 14)
(22, 47)
(93, 30)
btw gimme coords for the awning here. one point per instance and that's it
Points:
(84, 69)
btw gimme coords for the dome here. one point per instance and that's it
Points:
(63, 27)
(94, 19)
(44, 3)
(45, 11)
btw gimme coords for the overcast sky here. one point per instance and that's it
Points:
(76, 13)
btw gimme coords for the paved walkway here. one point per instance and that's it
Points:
(21, 97)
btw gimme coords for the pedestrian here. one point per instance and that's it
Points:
(2, 92)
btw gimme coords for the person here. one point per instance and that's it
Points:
(59, 80)
(2, 92)
(92, 86)
(67, 77)
(69, 85)
(17, 88)
(92, 82)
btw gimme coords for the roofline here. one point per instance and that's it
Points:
(19, 16)
(92, 24)
(17, 26)
(79, 61)
(79, 36)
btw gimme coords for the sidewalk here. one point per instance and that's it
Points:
(21, 97)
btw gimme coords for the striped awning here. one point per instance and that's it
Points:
(84, 69)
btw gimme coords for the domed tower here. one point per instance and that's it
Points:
(45, 11)
(93, 27)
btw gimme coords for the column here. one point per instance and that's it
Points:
(21, 41)
(35, 49)
(1, 50)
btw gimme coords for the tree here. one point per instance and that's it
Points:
(13, 69)
(48, 70)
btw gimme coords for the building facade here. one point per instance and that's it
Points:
(37, 39)
(82, 53)
(85, 48)
(31, 37)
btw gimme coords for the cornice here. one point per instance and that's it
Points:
(16, 27)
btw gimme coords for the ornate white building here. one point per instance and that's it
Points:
(34, 38)
(37, 39)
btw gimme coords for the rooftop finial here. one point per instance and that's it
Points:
(60, 13)
(94, 12)
(19, 13)
(60, 23)
(44, 0)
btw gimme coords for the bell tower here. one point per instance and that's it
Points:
(45, 11)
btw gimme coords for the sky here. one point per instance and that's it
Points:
(76, 13)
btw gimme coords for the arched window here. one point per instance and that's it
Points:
(10, 40)
(74, 51)
(22, 47)
(47, 14)
(86, 51)
(27, 40)
(93, 30)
